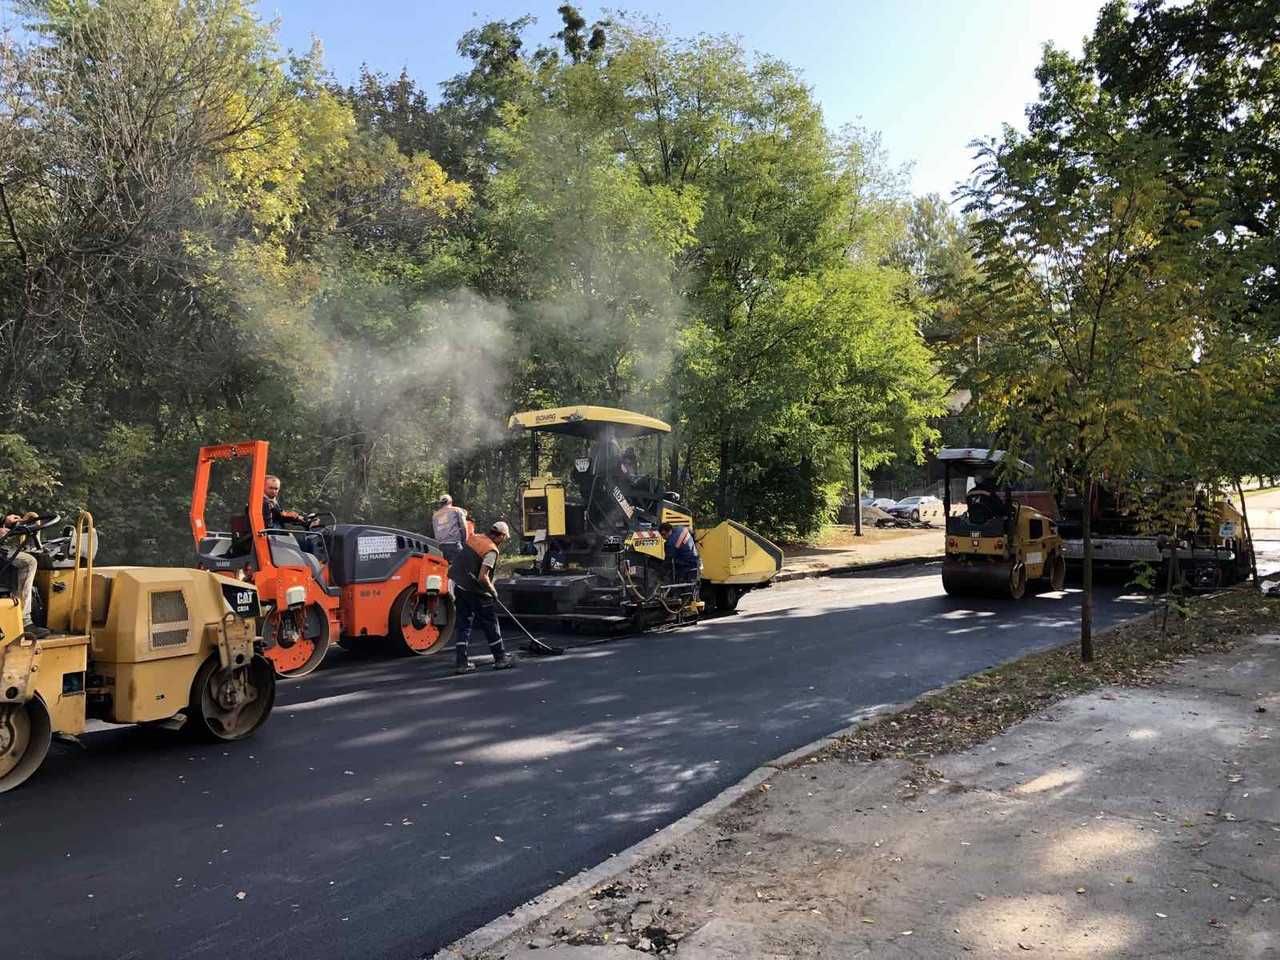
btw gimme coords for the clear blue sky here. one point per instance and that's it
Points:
(930, 75)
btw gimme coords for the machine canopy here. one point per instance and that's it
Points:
(587, 422)
(965, 460)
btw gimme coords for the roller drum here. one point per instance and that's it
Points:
(997, 578)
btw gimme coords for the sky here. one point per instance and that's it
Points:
(929, 75)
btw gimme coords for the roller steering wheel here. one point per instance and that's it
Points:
(29, 528)
(33, 526)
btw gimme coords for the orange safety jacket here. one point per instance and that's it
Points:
(465, 569)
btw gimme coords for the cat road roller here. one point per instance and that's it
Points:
(351, 583)
(598, 557)
(1005, 538)
(125, 645)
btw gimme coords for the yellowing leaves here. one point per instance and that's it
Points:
(430, 189)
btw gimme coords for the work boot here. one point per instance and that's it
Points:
(504, 663)
(464, 666)
(40, 632)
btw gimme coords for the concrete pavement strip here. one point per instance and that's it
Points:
(475, 944)
(787, 576)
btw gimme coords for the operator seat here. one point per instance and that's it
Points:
(983, 506)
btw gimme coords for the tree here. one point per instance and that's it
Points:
(1201, 77)
(1092, 316)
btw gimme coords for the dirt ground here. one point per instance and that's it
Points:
(838, 537)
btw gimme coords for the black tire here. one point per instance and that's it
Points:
(727, 598)
(1018, 581)
(1056, 572)
(207, 715)
(915, 516)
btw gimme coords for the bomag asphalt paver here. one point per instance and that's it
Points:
(597, 556)
(163, 645)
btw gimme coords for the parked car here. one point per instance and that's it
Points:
(917, 509)
(880, 503)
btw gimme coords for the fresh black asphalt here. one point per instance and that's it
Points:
(388, 807)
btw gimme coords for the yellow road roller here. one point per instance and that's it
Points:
(1004, 538)
(120, 644)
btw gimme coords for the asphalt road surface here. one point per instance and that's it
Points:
(388, 807)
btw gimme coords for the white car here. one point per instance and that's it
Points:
(918, 508)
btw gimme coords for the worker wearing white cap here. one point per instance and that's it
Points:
(474, 595)
(449, 527)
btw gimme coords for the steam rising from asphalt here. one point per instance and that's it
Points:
(442, 386)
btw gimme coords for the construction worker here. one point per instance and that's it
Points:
(475, 596)
(630, 464)
(682, 551)
(984, 503)
(449, 527)
(273, 515)
(25, 566)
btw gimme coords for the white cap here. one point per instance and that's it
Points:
(500, 526)
(446, 499)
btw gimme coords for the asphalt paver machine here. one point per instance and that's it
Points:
(1005, 538)
(157, 645)
(596, 553)
(356, 584)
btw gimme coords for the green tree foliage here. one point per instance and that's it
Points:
(203, 239)
(1119, 308)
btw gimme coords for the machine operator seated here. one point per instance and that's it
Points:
(984, 503)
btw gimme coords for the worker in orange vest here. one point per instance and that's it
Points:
(475, 596)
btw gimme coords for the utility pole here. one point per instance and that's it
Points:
(857, 485)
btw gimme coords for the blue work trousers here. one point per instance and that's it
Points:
(476, 610)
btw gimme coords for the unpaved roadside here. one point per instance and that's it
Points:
(1130, 821)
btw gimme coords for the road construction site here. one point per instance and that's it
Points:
(389, 807)
(394, 803)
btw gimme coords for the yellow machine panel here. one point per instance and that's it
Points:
(649, 543)
(62, 588)
(733, 554)
(152, 690)
(58, 678)
(153, 614)
(10, 618)
(543, 501)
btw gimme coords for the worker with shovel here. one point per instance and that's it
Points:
(475, 596)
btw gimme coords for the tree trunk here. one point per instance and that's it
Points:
(1248, 532)
(722, 487)
(1086, 601)
(857, 486)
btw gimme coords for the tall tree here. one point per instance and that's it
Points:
(1092, 314)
